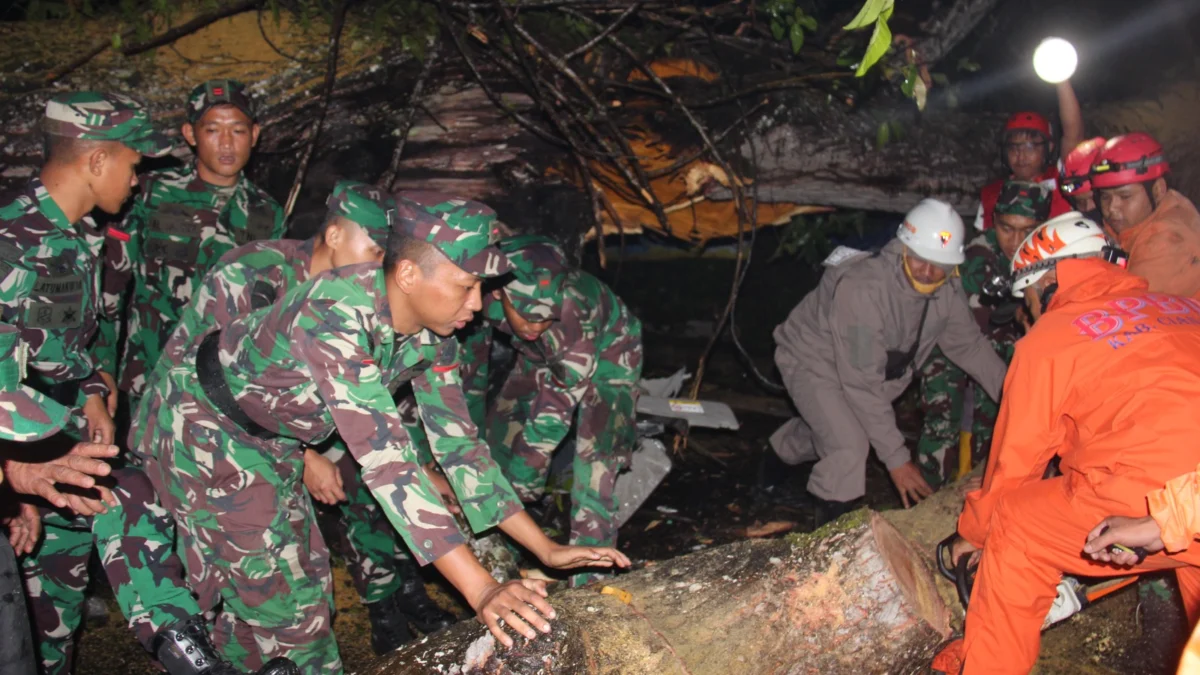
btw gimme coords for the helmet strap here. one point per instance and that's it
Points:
(1148, 186)
(1047, 295)
(922, 287)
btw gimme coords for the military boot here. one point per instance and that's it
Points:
(185, 648)
(389, 626)
(413, 600)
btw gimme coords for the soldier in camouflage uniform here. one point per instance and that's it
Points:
(1022, 206)
(579, 357)
(230, 423)
(27, 415)
(49, 252)
(184, 220)
(254, 276)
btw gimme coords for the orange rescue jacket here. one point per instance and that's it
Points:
(1108, 379)
(1164, 249)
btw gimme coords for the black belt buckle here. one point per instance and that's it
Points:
(212, 380)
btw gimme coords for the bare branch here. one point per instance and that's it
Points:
(602, 34)
(406, 119)
(335, 40)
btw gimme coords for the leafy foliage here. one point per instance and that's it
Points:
(810, 238)
(788, 20)
(877, 13)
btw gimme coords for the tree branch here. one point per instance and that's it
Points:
(406, 119)
(949, 27)
(335, 39)
(190, 27)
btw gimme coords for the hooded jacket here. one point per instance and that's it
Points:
(1107, 380)
(1164, 249)
(840, 335)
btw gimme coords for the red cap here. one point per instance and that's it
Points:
(1132, 158)
(1028, 121)
(1077, 166)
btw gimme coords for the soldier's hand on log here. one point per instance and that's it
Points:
(520, 603)
(75, 469)
(570, 557)
(101, 428)
(443, 487)
(910, 483)
(24, 529)
(113, 394)
(322, 478)
(962, 547)
(1131, 533)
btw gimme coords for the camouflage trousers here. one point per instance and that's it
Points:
(943, 393)
(374, 552)
(136, 542)
(252, 549)
(604, 437)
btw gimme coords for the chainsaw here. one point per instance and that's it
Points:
(1073, 595)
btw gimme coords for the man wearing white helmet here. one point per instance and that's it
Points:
(1106, 380)
(847, 351)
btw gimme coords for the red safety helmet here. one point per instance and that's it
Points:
(1077, 166)
(1132, 158)
(1028, 121)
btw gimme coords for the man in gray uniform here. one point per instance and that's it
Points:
(847, 351)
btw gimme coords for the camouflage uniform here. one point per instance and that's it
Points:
(323, 358)
(49, 291)
(25, 415)
(178, 227)
(583, 370)
(943, 384)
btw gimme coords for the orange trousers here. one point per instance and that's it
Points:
(1036, 535)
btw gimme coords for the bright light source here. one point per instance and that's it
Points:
(1054, 60)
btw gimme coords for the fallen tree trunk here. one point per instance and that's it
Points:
(851, 597)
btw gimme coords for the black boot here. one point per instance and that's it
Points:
(415, 603)
(389, 627)
(185, 648)
(828, 511)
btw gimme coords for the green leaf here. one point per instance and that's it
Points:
(870, 13)
(881, 41)
(809, 23)
(910, 79)
(116, 41)
(940, 79)
(796, 34)
(882, 135)
(776, 29)
(967, 65)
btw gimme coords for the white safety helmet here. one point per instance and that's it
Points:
(933, 231)
(1070, 235)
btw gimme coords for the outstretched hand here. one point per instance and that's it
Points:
(571, 557)
(520, 604)
(76, 469)
(911, 485)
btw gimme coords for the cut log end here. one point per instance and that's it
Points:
(914, 578)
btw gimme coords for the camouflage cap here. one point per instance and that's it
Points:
(218, 92)
(465, 231)
(94, 116)
(25, 415)
(371, 208)
(539, 273)
(1024, 198)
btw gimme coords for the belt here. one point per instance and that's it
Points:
(65, 393)
(211, 375)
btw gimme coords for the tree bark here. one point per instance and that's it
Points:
(852, 597)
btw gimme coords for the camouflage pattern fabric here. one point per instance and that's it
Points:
(372, 208)
(465, 231)
(322, 358)
(943, 384)
(582, 370)
(25, 414)
(373, 550)
(178, 227)
(134, 540)
(48, 280)
(95, 116)
(539, 272)
(1024, 198)
(218, 92)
